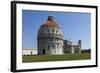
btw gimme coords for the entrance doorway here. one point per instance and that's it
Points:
(43, 51)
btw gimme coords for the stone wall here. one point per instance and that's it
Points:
(29, 51)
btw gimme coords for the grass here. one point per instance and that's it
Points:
(65, 57)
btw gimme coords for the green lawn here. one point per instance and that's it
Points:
(43, 58)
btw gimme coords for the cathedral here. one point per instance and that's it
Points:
(50, 38)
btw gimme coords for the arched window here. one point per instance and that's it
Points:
(57, 31)
(57, 46)
(51, 39)
(48, 30)
(53, 30)
(53, 47)
(48, 47)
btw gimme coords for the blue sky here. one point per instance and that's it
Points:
(76, 26)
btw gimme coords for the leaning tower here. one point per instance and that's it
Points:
(79, 43)
(50, 38)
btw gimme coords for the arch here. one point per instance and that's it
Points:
(53, 30)
(43, 51)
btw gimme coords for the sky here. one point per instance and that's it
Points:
(76, 26)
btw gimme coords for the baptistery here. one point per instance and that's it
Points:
(50, 38)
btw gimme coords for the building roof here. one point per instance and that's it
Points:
(50, 23)
(76, 46)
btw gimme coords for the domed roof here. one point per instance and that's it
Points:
(50, 23)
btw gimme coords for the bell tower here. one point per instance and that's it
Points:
(79, 43)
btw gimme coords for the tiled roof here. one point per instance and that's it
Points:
(50, 23)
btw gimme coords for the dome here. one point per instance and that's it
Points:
(50, 23)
